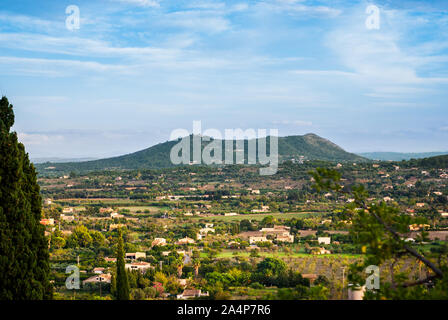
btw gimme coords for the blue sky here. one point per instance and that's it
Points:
(137, 69)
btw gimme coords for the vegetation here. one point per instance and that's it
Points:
(310, 146)
(24, 258)
(122, 285)
(380, 228)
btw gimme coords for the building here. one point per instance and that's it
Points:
(287, 238)
(283, 230)
(324, 240)
(228, 214)
(140, 266)
(47, 222)
(205, 231)
(110, 259)
(67, 210)
(420, 204)
(106, 278)
(67, 218)
(136, 255)
(191, 293)
(253, 240)
(310, 276)
(185, 240)
(319, 251)
(116, 215)
(158, 242)
(417, 227)
(98, 270)
(263, 209)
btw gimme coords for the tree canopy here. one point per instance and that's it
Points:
(24, 257)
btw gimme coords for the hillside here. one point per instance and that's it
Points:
(438, 162)
(310, 146)
(398, 156)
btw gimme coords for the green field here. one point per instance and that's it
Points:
(134, 209)
(260, 216)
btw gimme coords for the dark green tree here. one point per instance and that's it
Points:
(24, 257)
(122, 285)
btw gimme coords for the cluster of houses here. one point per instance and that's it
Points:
(279, 233)
(132, 263)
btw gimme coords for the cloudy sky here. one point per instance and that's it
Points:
(137, 69)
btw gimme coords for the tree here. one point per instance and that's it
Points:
(196, 265)
(271, 267)
(268, 221)
(24, 257)
(179, 262)
(380, 230)
(80, 237)
(122, 285)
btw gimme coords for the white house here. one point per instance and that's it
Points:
(99, 278)
(253, 240)
(324, 240)
(141, 266)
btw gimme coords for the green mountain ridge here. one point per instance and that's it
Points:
(398, 156)
(309, 146)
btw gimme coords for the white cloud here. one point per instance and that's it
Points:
(324, 73)
(142, 3)
(380, 59)
(55, 68)
(30, 139)
(296, 7)
(299, 123)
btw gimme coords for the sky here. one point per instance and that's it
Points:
(135, 70)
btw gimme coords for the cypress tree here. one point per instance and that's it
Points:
(122, 285)
(24, 257)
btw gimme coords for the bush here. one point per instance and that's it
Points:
(256, 285)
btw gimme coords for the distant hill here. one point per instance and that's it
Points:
(60, 160)
(398, 156)
(440, 162)
(310, 146)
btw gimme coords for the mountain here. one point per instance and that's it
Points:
(439, 162)
(310, 146)
(398, 156)
(60, 160)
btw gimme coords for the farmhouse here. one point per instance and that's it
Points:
(324, 240)
(99, 278)
(158, 242)
(141, 266)
(136, 255)
(191, 293)
(47, 222)
(67, 218)
(253, 240)
(185, 240)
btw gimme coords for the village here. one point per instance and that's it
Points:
(211, 233)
